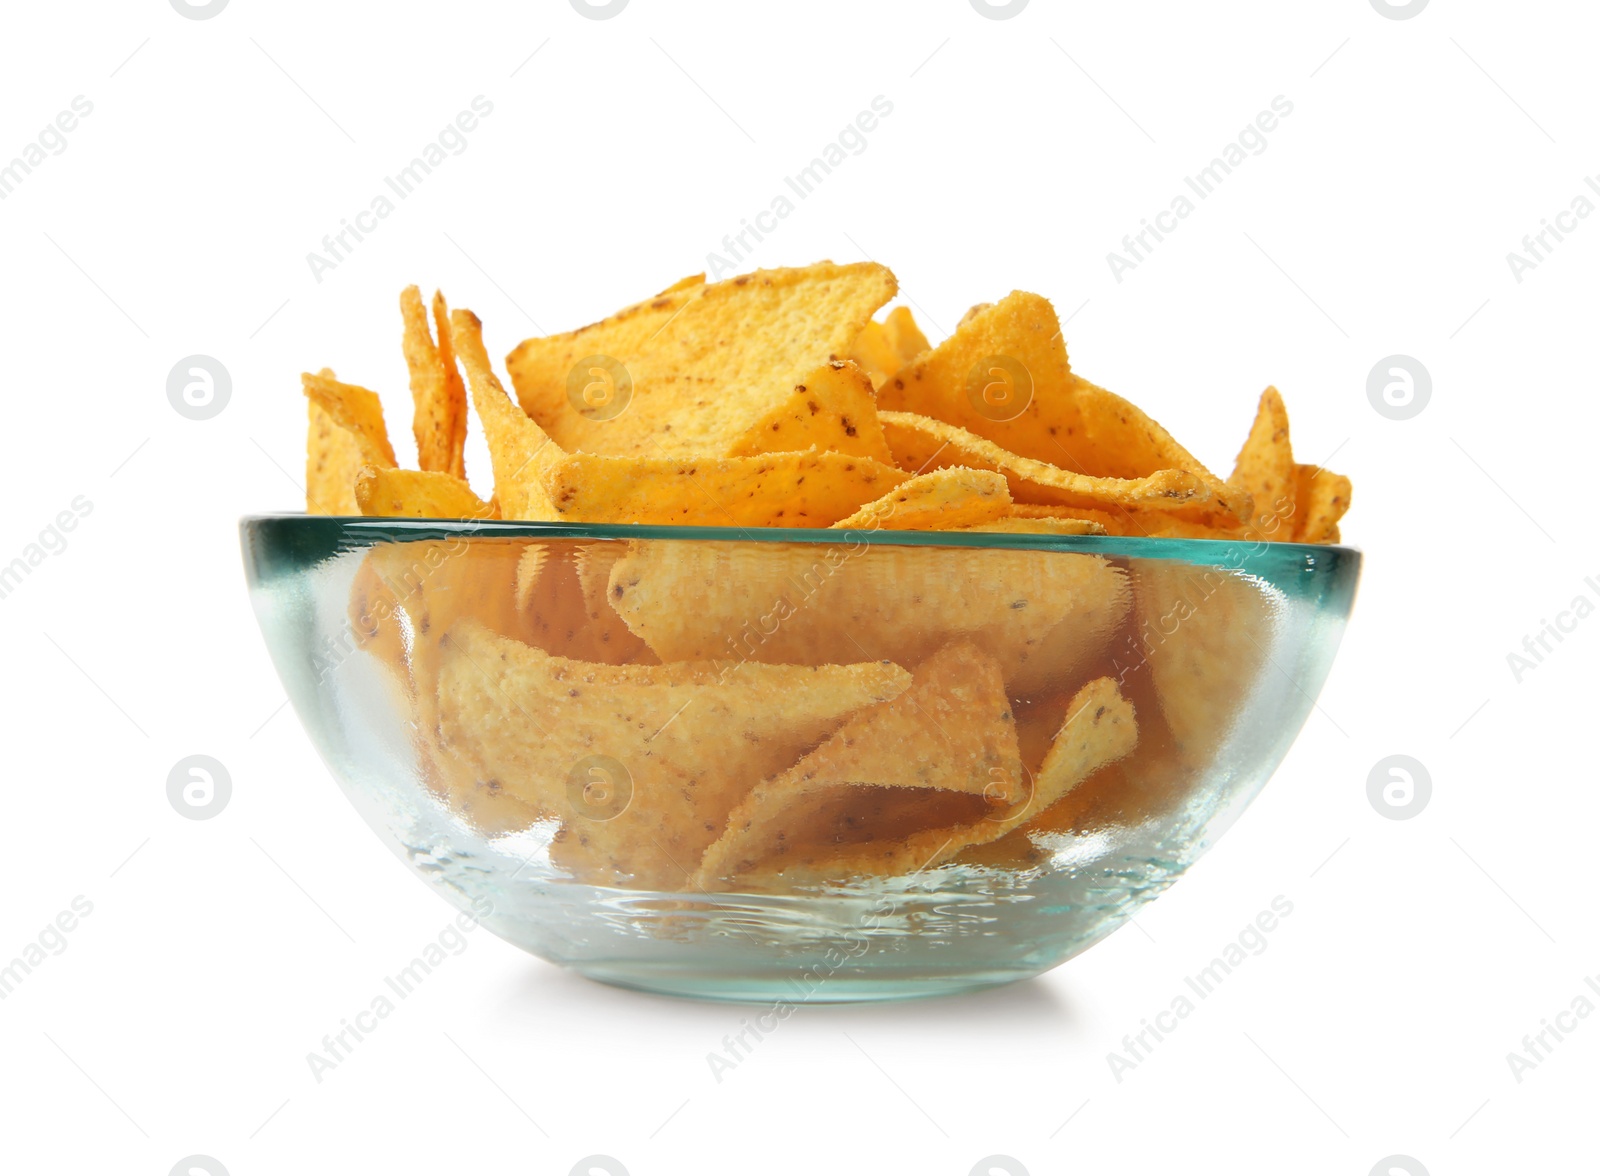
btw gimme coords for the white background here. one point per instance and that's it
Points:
(1019, 152)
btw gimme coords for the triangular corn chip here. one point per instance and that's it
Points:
(519, 450)
(690, 741)
(705, 363)
(944, 500)
(440, 418)
(809, 489)
(947, 383)
(1321, 498)
(416, 494)
(901, 332)
(860, 835)
(833, 409)
(1040, 614)
(1265, 469)
(355, 409)
(333, 458)
(950, 731)
(873, 354)
(921, 443)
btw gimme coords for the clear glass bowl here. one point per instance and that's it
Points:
(790, 765)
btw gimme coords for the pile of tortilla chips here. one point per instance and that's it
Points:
(722, 714)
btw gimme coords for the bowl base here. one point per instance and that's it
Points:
(785, 989)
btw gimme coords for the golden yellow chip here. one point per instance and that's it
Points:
(922, 443)
(1010, 524)
(860, 835)
(833, 409)
(904, 336)
(1041, 614)
(950, 731)
(1205, 634)
(416, 494)
(873, 354)
(688, 283)
(440, 420)
(519, 450)
(355, 409)
(944, 500)
(1265, 469)
(674, 746)
(1322, 498)
(689, 373)
(333, 457)
(808, 489)
(1003, 375)
(1119, 440)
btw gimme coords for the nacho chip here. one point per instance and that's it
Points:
(1017, 525)
(921, 443)
(944, 500)
(951, 730)
(333, 458)
(687, 741)
(561, 587)
(520, 452)
(946, 382)
(1205, 633)
(1119, 440)
(849, 838)
(901, 332)
(808, 489)
(355, 409)
(705, 363)
(688, 283)
(1041, 614)
(1321, 500)
(440, 420)
(416, 494)
(1265, 468)
(873, 354)
(833, 409)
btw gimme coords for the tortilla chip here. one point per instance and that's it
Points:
(333, 458)
(1147, 524)
(1014, 525)
(1265, 468)
(1041, 614)
(944, 500)
(614, 641)
(808, 489)
(692, 739)
(901, 332)
(688, 283)
(416, 494)
(1119, 440)
(1321, 500)
(1205, 632)
(950, 731)
(920, 443)
(561, 587)
(850, 838)
(873, 354)
(706, 362)
(440, 420)
(355, 409)
(1021, 328)
(519, 450)
(834, 409)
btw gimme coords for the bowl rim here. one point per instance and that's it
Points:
(351, 532)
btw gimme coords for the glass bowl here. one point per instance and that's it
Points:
(794, 765)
